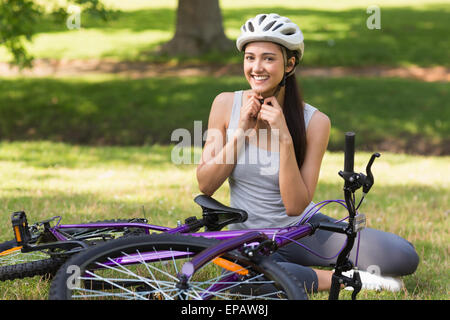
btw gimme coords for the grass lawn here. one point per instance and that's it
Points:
(335, 32)
(83, 184)
(404, 114)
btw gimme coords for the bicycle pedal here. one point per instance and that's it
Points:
(20, 227)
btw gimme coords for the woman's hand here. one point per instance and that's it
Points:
(250, 111)
(273, 115)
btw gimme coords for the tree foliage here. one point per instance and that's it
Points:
(19, 18)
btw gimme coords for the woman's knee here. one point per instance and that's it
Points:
(380, 252)
(386, 253)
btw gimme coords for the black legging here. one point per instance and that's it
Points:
(379, 252)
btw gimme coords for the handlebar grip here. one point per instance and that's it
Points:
(349, 151)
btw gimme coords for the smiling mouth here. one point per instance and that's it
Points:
(260, 78)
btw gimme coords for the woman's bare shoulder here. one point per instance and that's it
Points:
(319, 127)
(224, 98)
(221, 108)
(319, 120)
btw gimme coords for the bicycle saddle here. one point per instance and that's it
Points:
(216, 215)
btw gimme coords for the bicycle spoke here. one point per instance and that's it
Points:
(142, 279)
(151, 273)
(112, 283)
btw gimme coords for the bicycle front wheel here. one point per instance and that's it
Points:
(147, 268)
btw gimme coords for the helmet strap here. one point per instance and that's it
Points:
(283, 81)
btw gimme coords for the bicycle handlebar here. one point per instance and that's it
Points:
(349, 150)
(353, 181)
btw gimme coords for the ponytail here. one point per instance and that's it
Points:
(293, 111)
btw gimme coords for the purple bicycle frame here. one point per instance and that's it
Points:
(294, 232)
(230, 240)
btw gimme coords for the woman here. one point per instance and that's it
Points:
(272, 119)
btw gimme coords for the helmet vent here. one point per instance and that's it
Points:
(270, 25)
(277, 26)
(250, 27)
(261, 19)
(288, 32)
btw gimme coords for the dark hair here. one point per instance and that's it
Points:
(293, 111)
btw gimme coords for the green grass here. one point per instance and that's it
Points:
(394, 114)
(409, 198)
(335, 33)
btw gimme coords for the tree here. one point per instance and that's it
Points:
(16, 26)
(198, 29)
(18, 20)
(198, 26)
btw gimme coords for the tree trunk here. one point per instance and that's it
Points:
(198, 29)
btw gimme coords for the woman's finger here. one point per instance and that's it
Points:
(273, 102)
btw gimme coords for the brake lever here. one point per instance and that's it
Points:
(369, 180)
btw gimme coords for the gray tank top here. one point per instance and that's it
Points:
(254, 184)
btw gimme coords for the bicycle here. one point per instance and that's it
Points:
(40, 249)
(182, 263)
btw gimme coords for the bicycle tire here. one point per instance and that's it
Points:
(46, 267)
(264, 272)
(38, 263)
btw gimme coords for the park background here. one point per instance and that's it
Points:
(86, 133)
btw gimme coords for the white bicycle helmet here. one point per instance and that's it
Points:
(274, 28)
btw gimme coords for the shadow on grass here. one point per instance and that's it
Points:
(110, 112)
(387, 114)
(137, 21)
